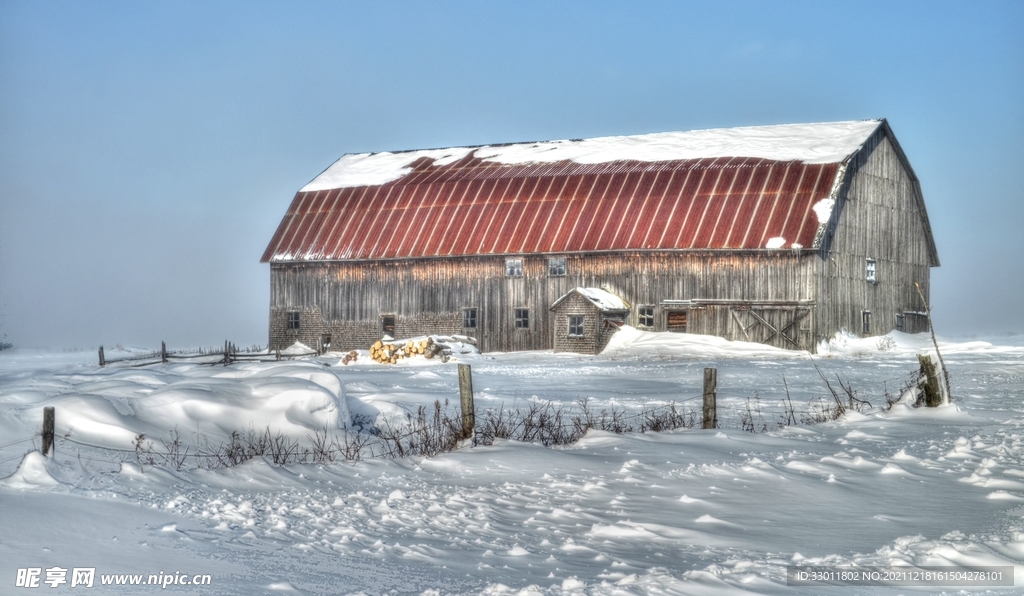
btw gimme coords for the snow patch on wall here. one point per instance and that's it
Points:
(823, 209)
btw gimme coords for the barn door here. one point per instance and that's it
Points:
(774, 326)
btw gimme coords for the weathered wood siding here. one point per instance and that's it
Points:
(429, 294)
(880, 216)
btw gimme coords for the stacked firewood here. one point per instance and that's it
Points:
(390, 352)
(350, 357)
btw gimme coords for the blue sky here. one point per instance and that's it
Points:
(148, 150)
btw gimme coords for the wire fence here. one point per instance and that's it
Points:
(428, 431)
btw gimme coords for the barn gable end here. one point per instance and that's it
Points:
(880, 246)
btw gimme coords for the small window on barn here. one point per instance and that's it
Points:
(675, 321)
(575, 325)
(469, 318)
(865, 317)
(645, 316)
(870, 273)
(899, 322)
(387, 325)
(293, 320)
(556, 266)
(514, 267)
(522, 318)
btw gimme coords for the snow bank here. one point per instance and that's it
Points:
(847, 345)
(32, 473)
(297, 349)
(630, 341)
(827, 142)
(294, 398)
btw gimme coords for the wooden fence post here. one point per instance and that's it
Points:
(466, 400)
(163, 352)
(48, 422)
(103, 361)
(932, 391)
(710, 409)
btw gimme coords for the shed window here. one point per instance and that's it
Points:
(522, 318)
(575, 325)
(556, 266)
(870, 272)
(645, 316)
(865, 317)
(469, 318)
(514, 267)
(899, 322)
(293, 320)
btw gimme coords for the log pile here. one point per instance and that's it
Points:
(390, 352)
(350, 357)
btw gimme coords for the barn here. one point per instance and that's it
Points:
(776, 234)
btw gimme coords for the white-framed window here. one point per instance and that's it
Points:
(575, 325)
(293, 320)
(865, 318)
(556, 266)
(869, 273)
(645, 316)
(522, 318)
(514, 267)
(469, 318)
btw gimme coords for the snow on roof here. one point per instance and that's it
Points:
(574, 197)
(828, 142)
(602, 299)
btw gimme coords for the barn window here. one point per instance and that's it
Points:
(556, 266)
(469, 318)
(676, 321)
(522, 318)
(293, 320)
(575, 325)
(870, 274)
(865, 317)
(387, 325)
(899, 322)
(645, 316)
(514, 267)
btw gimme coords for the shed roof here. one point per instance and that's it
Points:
(599, 297)
(764, 187)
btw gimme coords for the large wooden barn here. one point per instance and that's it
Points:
(776, 234)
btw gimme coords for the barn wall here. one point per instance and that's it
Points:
(428, 295)
(879, 218)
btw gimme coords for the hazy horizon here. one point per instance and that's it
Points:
(148, 151)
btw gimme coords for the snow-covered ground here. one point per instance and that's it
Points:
(683, 512)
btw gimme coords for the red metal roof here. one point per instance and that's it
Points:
(474, 206)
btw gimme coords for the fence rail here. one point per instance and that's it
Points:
(228, 355)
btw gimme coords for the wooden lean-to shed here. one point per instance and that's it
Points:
(777, 234)
(586, 318)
